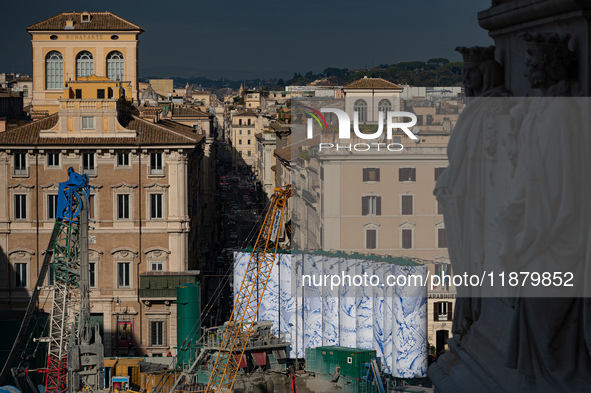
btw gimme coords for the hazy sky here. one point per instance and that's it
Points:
(239, 39)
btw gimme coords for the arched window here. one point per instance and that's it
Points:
(54, 71)
(84, 64)
(384, 106)
(361, 107)
(25, 91)
(116, 66)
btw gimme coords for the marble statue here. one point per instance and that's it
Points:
(542, 223)
(526, 205)
(461, 188)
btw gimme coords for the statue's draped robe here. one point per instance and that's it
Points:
(543, 227)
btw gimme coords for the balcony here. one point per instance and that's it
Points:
(162, 284)
(20, 172)
(156, 171)
(88, 104)
(308, 196)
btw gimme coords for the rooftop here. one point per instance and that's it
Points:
(98, 21)
(372, 83)
(245, 113)
(148, 134)
(187, 111)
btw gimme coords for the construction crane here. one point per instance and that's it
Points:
(73, 362)
(249, 296)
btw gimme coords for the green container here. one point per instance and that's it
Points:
(188, 306)
(323, 361)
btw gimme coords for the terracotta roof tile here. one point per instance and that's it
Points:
(280, 127)
(98, 21)
(187, 111)
(149, 134)
(373, 83)
(245, 113)
(284, 154)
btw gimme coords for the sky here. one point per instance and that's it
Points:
(265, 39)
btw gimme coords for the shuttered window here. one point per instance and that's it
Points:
(371, 239)
(441, 242)
(407, 204)
(371, 206)
(92, 275)
(438, 172)
(407, 174)
(371, 174)
(442, 311)
(407, 238)
(91, 206)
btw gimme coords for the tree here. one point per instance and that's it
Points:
(438, 61)
(337, 72)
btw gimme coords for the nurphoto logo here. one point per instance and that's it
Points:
(344, 121)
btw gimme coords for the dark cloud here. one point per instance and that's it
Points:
(267, 38)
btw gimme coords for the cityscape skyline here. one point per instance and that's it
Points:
(272, 40)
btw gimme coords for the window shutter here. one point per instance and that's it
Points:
(436, 311)
(377, 174)
(400, 174)
(450, 311)
(439, 208)
(370, 240)
(438, 172)
(413, 174)
(379, 206)
(364, 205)
(441, 243)
(407, 204)
(406, 238)
(365, 174)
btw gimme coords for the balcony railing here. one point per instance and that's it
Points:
(88, 104)
(89, 171)
(163, 285)
(157, 171)
(20, 171)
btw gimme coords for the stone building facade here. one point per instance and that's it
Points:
(145, 177)
(71, 45)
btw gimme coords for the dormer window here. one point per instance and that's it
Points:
(85, 17)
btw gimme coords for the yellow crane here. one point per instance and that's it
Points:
(248, 299)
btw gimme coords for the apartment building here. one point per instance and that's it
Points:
(376, 202)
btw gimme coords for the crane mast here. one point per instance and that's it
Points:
(73, 362)
(249, 296)
(65, 309)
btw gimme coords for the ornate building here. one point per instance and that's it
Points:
(146, 190)
(72, 45)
